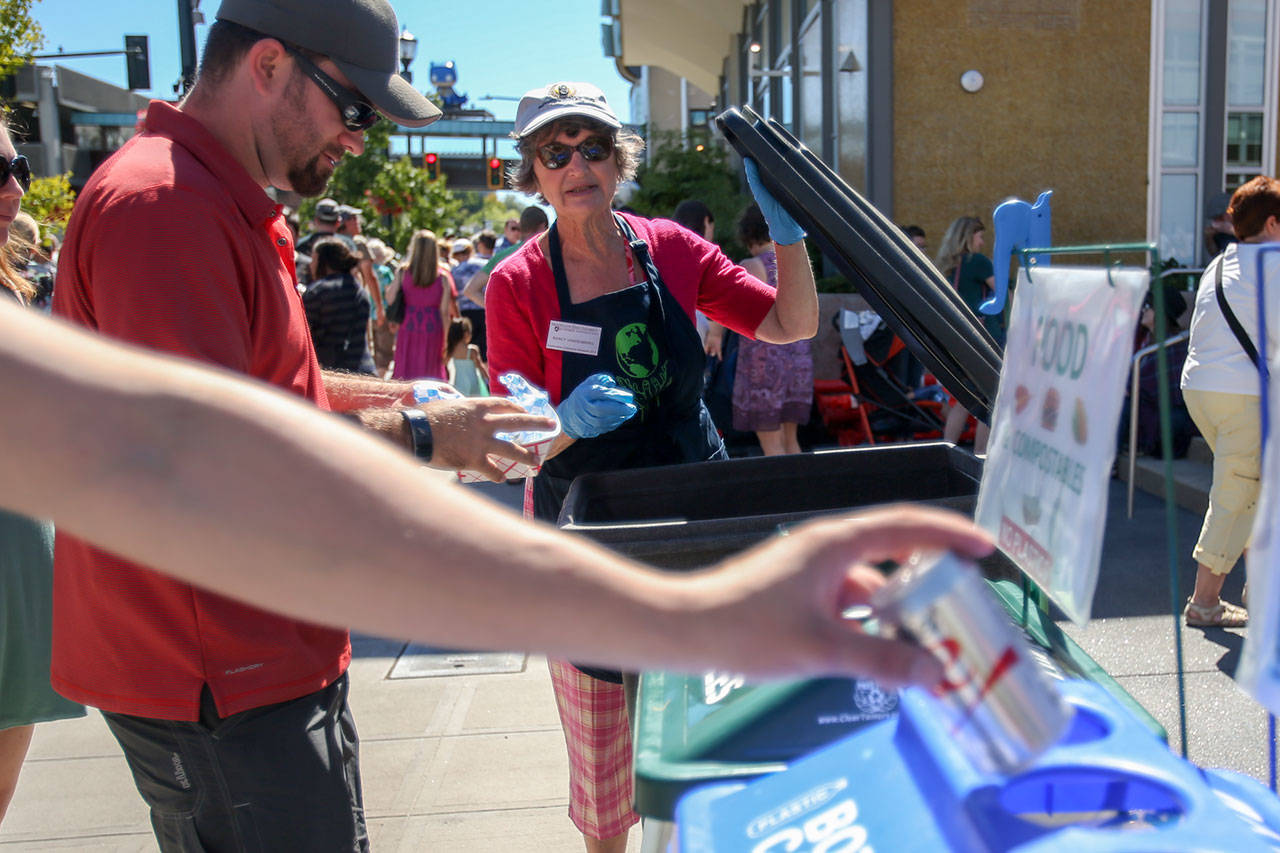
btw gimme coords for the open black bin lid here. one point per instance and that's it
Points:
(886, 268)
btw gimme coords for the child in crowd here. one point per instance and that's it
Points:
(467, 370)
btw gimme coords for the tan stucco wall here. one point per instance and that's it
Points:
(664, 100)
(1064, 107)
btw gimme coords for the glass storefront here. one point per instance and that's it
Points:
(1194, 159)
(1180, 149)
(851, 94)
(1246, 90)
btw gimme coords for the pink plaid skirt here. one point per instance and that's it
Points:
(598, 736)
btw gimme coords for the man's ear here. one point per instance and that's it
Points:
(268, 65)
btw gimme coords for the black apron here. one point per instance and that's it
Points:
(650, 346)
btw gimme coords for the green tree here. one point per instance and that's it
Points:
(486, 210)
(20, 35)
(50, 199)
(405, 201)
(675, 173)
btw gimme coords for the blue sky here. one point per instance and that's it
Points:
(504, 47)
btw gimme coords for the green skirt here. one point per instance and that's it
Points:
(26, 624)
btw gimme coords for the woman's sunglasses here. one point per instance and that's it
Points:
(356, 114)
(556, 155)
(19, 168)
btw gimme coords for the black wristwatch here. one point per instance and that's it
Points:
(419, 433)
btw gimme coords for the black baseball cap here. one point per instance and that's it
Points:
(361, 37)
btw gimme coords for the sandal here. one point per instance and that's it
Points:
(1222, 615)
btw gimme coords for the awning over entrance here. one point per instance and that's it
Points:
(688, 39)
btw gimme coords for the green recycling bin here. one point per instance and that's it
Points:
(695, 729)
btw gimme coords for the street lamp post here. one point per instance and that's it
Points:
(408, 50)
(188, 16)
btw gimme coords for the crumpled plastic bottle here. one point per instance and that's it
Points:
(531, 398)
(535, 401)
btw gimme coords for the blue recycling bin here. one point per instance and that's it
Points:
(903, 785)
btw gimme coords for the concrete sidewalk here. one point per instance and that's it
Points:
(453, 763)
(473, 763)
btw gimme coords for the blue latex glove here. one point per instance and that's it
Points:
(782, 228)
(598, 405)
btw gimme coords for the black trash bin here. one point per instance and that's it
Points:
(688, 516)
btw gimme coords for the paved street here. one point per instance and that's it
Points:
(476, 762)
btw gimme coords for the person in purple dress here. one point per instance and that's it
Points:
(773, 386)
(428, 305)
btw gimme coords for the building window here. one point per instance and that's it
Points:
(1246, 52)
(809, 124)
(1180, 129)
(1245, 149)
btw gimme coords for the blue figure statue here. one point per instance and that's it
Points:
(1018, 225)
(443, 77)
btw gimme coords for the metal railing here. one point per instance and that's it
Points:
(1135, 371)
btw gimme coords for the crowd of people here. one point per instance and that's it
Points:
(418, 316)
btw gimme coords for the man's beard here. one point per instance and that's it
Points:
(311, 178)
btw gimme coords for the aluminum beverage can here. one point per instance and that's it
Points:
(1005, 711)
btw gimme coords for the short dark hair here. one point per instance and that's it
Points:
(913, 231)
(752, 228)
(224, 46)
(693, 214)
(227, 43)
(532, 218)
(333, 255)
(486, 240)
(1252, 204)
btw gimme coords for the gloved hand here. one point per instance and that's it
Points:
(782, 228)
(598, 405)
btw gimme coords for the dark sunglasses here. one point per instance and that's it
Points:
(19, 168)
(556, 155)
(357, 114)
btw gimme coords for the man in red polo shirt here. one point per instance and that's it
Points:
(234, 720)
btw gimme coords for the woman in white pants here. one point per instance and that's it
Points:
(1221, 388)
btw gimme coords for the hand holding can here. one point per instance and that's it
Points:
(1005, 711)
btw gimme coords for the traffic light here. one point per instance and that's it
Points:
(137, 62)
(494, 176)
(431, 162)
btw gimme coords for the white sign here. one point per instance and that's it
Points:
(573, 337)
(1053, 430)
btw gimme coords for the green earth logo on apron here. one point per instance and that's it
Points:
(637, 352)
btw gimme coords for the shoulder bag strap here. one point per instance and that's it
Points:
(1236, 329)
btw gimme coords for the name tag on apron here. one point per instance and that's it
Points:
(573, 337)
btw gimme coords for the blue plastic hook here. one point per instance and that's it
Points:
(1018, 225)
